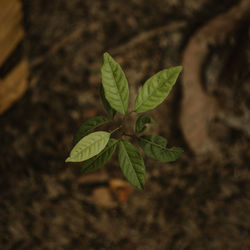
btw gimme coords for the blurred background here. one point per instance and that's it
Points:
(50, 58)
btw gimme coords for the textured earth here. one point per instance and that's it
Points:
(202, 201)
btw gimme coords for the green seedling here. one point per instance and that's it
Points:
(94, 149)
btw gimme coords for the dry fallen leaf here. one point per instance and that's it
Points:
(103, 197)
(11, 30)
(13, 86)
(122, 189)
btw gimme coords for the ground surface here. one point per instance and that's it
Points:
(199, 202)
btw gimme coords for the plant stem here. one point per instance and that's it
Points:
(130, 112)
(126, 115)
(115, 129)
(127, 135)
(133, 136)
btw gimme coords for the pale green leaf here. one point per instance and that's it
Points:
(156, 89)
(106, 105)
(154, 146)
(131, 163)
(115, 84)
(142, 121)
(89, 146)
(99, 160)
(88, 126)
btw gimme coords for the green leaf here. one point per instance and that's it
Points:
(115, 84)
(89, 146)
(105, 103)
(156, 89)
(131, 163)
(154, 146)
(142, 121)
(99, 160)
(88, 126)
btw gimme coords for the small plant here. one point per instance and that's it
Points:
(94, 149)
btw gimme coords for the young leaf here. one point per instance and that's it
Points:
(156, 89)
(154, 146)
(89, 146)
(105, 103)
(115, 84)
(142, 121)
(88, 126)
(131, 163)
(99, 160)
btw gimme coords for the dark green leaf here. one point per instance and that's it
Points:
(88, 126)
(106, 105)
(115, 84)
(156, 89)
(89, 146)
(154, 146)
(99, 160)
(131, 163)
(142, 121)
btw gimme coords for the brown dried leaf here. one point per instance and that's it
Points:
(102, 197)
(122, 189)
(11, 30)
(13, 86)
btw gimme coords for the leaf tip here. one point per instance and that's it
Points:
(179, 68)
(68, 159)
(106, 55)
(181, 151)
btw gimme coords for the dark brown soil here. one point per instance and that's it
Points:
(199, 202)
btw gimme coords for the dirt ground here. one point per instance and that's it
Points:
(200, 202)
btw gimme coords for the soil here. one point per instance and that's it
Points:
(202, 201)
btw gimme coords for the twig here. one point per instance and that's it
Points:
(57, 45)
(133, 42)
(146, 35)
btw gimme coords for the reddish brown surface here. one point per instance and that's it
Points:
(199, 202)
